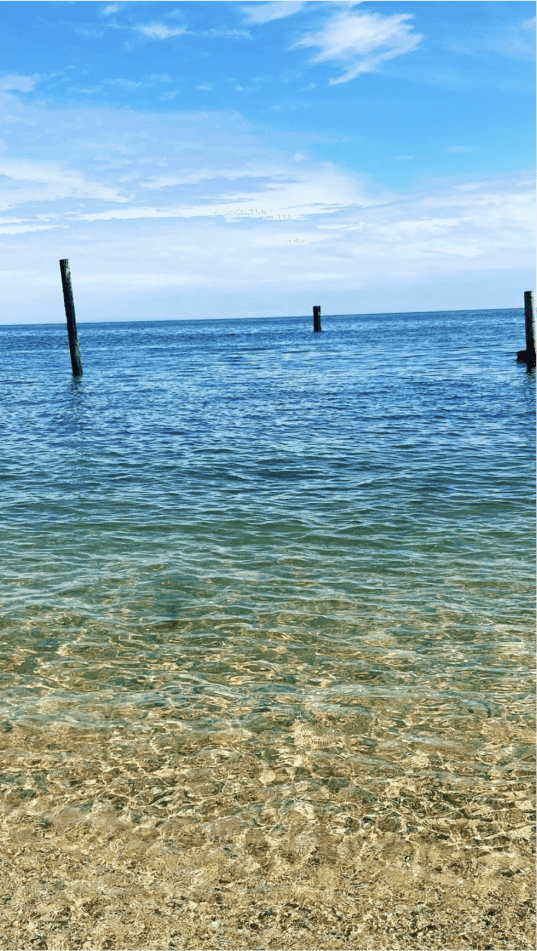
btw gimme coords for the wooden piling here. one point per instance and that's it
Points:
(317, 319)
(528, 355)
(529, 317)
(74, 346)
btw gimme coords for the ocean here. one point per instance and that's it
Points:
(256, 575)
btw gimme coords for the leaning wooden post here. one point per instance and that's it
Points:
(317, 319)
(528, 355)
(74, 346)
(529, 315)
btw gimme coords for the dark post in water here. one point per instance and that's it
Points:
(74, 346)
(528, 355)
(317, 319)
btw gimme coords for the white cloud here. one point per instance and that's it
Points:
(282, 195)
(12, 82)
(336, 217)
(26, 181)
(110, 9)
(158, 31)
(331, 227)
(199, 215)
(203, 175)
(24, 229)
(363, 40)
(273, 10)
(25, 225)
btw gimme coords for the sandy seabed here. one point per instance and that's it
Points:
(155, 840)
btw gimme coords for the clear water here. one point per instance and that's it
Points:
(243, 526)
(267, 634)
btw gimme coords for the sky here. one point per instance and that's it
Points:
(252, 159)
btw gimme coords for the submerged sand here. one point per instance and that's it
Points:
(118, 838)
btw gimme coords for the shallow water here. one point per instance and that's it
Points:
(296, 565)
(242, 522)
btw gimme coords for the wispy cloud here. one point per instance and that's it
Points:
(159, 31)
(358, 256)
(363, 40)
(157, 182)
(510, 40)
(26, 225)
(12, 82)
(309, 193)
(24, 228)
(273, 10)
(197, 211)
(28, 181)
(110, 9)
(481, 223)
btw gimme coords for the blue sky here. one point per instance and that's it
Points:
(229, 159)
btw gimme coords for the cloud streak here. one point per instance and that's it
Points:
(274, 10)
(361, 40)
(25, 181)
(110, 9)
(159, 31)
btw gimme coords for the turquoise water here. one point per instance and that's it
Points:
(240, 525)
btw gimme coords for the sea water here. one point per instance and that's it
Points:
(235, 547)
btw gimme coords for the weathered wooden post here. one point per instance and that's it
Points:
(529, 316)
(317, 320)
(74, 346)
(528, 355)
